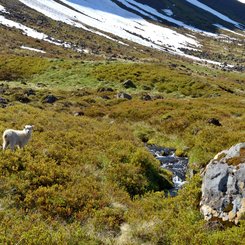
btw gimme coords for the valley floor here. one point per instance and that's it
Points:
(86, 176)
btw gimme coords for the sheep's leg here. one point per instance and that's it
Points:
(5, 144)
(12, 147)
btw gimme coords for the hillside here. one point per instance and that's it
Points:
(123, 30)
(96, 100)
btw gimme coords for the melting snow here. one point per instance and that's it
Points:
(33, 49)
(110, 18)
(226, 29)
(31, 32)
(106, 16)
(2, 9)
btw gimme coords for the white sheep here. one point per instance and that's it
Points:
(17, 138)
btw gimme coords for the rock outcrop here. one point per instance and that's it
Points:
(223, 187)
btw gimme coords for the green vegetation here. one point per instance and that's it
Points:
(89, 179)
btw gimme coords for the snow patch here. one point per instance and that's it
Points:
(33, 49)
(32, 33)
(226, 29)
(2, 9)
(168, 12)
(108, 17)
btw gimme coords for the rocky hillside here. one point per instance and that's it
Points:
(125, 29)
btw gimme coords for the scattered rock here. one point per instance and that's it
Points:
(146, 97)
(223, 187)
(50, 99)
(214, 121)
(122, 95)
(129, 84)
(3, 102)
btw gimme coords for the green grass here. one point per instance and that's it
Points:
(89, 179)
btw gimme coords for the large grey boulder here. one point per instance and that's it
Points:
(223, 187)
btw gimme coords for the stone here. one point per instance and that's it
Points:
(214, 121)
(223, 188)
(50, 99)
(128, 84)
(3, 102)
(122, 95)
(146, 97)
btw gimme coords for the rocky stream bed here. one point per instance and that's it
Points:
(177, 165)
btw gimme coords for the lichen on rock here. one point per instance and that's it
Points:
(223, 187)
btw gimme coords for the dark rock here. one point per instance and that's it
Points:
(122, 95)
(129, 84)
(223, 187)
(214, 121)
(146, 97)
(3, 102)
(50, 99)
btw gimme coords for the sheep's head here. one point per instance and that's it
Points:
(28, 128)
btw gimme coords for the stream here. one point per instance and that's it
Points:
(177, 165)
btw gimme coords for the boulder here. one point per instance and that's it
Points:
(122, 95)
(50, 99)
(129, 84)
(223, 186)
(146, 97)
(214, 121)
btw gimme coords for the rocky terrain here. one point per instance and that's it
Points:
(223, 193)
(131, 101)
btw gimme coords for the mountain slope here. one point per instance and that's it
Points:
(186, 28)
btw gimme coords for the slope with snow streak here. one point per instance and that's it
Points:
(29, 31)
(214, 12)
(110, 18)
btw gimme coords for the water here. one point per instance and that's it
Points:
(177, 165)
